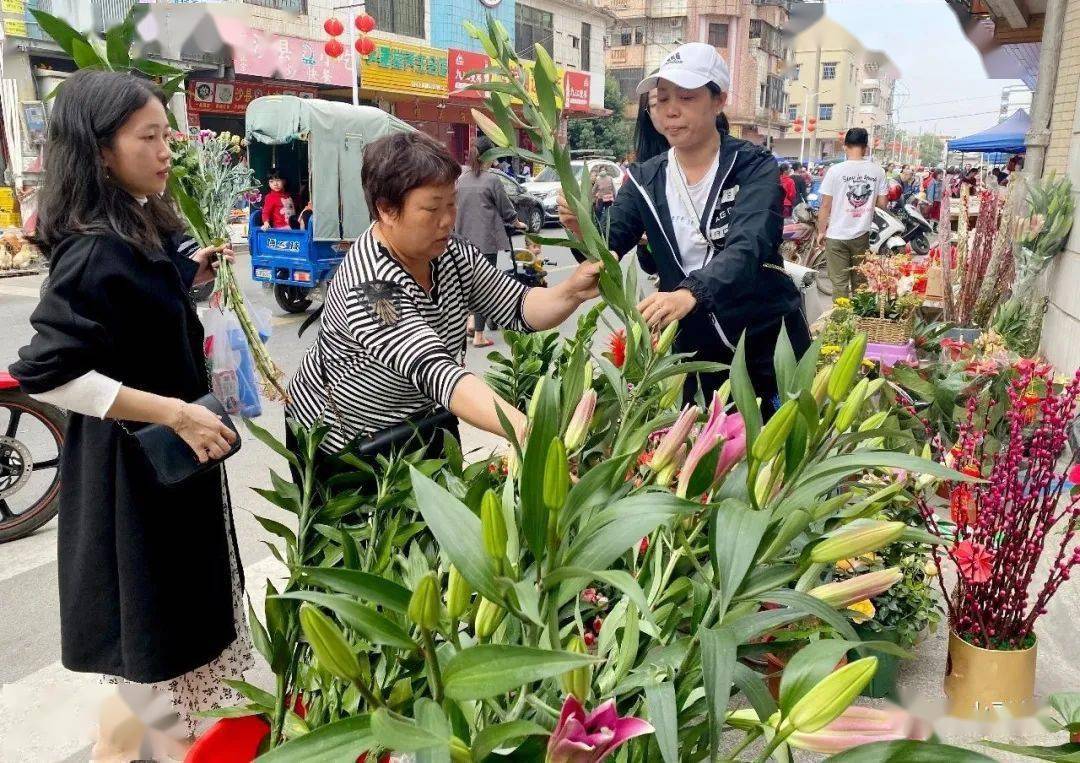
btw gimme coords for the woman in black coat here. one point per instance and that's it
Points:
(150, 585)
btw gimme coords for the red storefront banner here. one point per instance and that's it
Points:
(222, 97)
(460, 63)
(266, 54)
(576, 86)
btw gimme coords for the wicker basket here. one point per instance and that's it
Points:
(886, 330)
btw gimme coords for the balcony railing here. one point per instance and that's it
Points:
(785, 4)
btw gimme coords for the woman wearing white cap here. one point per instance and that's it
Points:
(711, 208)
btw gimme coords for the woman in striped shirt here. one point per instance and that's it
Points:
(391, 343)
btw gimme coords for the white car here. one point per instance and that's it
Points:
(545, 186)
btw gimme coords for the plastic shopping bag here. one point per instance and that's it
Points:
(232, 370)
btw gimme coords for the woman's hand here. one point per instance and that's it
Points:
(208, 262)
(203, 431)
(567, 217)
(663, 307)
(584, 283)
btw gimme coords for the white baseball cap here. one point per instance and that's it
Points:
(690, 66)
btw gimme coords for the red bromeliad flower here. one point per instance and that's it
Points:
(643, 546)
(974, 561)
(617, 347)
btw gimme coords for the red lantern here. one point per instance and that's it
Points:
(811, 127)
(333, 48)
(364, 46)
(333, 27)
(365, 23)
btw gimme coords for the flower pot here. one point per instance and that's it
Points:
(980, 682)
(776, 662)
(883, 684)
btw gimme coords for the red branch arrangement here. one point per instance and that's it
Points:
(978, 259)
(1004, 524)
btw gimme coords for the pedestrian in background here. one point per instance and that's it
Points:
(849, 193)
(483, 213)
(934, 193)
(150, 580)
(802, 185)
(788, 184)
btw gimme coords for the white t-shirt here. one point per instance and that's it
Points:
(693, 249)
(854, 186)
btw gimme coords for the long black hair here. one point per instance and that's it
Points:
(480, 147)
(648, 142)
(77, 196)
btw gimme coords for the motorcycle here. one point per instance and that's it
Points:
(800, 236)
(918, 231)
(33, 435)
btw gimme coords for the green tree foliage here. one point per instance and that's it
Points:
(613, 134)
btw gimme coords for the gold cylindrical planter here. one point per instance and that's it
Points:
(987, 683)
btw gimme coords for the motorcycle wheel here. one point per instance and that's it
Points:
(813, 256)
(30, 443)
(920, 245)
(292, 299)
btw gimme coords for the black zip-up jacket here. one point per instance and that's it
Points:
(742, 286)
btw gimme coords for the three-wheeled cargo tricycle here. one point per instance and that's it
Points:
(317, 147)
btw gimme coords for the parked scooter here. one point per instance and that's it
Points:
(917, 229)
(31, 436)
(800, 236)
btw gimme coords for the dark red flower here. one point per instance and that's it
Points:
(597, 624)
(644, 545)
(589, 638)
(617, 347)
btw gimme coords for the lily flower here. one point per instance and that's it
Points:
(592, 737)
(676, 436)
(579, 423)
(858, 726)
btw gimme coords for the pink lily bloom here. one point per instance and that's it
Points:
(861, 725)
(592, 737)
(730, 430)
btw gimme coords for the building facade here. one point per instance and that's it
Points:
(747, 33)
(836, 81)
(249, 48)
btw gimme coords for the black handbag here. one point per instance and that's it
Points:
(171, 459)
(420, 429)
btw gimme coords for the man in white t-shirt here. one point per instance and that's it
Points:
(849, 193)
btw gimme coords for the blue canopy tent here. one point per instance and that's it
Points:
(1007, 137)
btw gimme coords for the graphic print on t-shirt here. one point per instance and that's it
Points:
(859, 195)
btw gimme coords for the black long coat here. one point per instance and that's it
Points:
(145, 588)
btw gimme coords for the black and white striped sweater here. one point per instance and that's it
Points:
(387, 349)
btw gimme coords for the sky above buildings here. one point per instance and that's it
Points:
(945, 87)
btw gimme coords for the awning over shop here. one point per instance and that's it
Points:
(1007, 137)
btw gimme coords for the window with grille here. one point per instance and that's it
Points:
(639, 35)
(405, 17)
(533, 26)
(869, 98)
(828, 70)
(293, 6)
(792, 112)
(798, 70)
(626, 37)
(628, 80)
(586, 46)
(824, 111)
(718, 35)
(768, 37)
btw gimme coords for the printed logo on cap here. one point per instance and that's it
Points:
(674, 58)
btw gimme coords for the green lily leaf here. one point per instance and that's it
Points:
(664, 716)
(735, 534)
(375, 627)
(346, 739)
(499, 735)
(457, 531)
(908, 751)
(362, 585)
(489, 670)
(717, 669)
(1062, 753)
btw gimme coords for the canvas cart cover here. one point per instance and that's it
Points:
(337, 134)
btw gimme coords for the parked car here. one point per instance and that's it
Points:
(545, 186)
(529, 209)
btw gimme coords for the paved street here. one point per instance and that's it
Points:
(47, 713)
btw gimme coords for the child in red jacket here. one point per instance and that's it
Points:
(278, 206)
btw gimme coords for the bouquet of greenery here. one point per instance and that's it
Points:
(207, 179)
(1041, 236)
